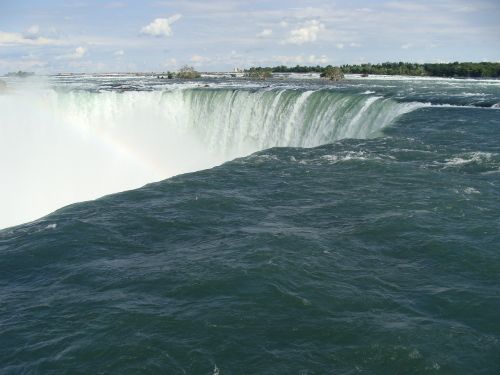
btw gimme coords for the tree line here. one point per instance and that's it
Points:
(455, 69)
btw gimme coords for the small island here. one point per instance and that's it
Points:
(333, 74)
(259, 73)
(187, 72)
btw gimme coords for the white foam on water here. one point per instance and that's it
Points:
(470, 157)
(347, 156)
(471, 190)
(472, 94)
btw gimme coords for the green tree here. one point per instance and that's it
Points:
(187, 72)
(332, 73)
(259, 73)
(456, 69)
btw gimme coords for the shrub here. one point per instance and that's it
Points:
(259, 73)
(187, 72)
(333, 74)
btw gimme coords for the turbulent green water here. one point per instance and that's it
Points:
(368, 242)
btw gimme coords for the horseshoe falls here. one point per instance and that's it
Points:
(79, 145)
(228, 226)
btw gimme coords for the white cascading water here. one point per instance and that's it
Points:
(58, 148)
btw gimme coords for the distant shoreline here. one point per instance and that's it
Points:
(477, 71)
(440, 70)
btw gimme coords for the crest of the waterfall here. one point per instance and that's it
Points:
(59, 147)
(236, 122)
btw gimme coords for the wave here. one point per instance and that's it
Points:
(470, 106)
(62, 147)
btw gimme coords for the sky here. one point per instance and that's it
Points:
(52, 36)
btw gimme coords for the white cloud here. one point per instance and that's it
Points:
(265, 33)
(201, 6)
(407, 6)
(88, 65)
(308, 32)
(300, 59)
(77, 54)
(286, 60)
(171, 62)
(119, 53)
(406, 46)
(33, 30)
(199, 59)
(318, 60)
(24, 64)
(467, 9)
(340, 45)
(160, 26)
(355, 45)
(116, 5)
(12, 39)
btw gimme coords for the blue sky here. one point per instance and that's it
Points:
(104, 36)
